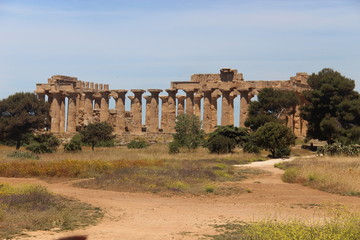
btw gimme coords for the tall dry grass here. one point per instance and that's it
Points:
(153, 152)
(339, 175)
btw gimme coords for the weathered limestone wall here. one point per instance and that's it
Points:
(89, 102)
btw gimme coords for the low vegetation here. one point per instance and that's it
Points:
(339, 175)
(67, 168)
(192, 177)
(158, 171)
(137, 143)
(342, 228)
(33, 208)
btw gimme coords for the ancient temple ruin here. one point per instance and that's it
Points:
(77, 103)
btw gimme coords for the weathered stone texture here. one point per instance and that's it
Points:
(89, 102)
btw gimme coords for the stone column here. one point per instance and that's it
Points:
(55, 112)
(164, 113)
(137, 110)
(104, 107)
(147, 113)
(88, 108)
(225, 108)
(244, 104)
(171, 110)
(181, 101)
(207, 111)
(154, 110)
(189, 101)
(231, 109)
(197, 105)
(97, 101)
(71, 126)
(214, 96)
(119, 96)
(62, 113)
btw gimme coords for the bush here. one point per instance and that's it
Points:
(139, 143)
(174, 147)
(74, 145)
(44, 143)
(188, 131)
(94, 133)
(339, 149)
(221, 144)
(225, 138)
(251, 147)
(19, 154)
(275, 138)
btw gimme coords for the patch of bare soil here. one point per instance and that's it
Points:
(148, 216)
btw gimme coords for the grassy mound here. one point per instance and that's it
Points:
(31, 207)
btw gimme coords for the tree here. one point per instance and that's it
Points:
(333, 108)
(20, 114)
(275, 138)
(272, 106)
(225, 138)
(188, 131)
(96, 132)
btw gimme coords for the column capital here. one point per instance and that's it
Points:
(155, 91)
(180, 97)
(137, 91)
(171, 91)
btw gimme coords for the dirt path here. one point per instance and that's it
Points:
(133, 216)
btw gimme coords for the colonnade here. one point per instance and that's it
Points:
(75, 103)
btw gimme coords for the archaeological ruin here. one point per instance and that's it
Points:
(76, 103)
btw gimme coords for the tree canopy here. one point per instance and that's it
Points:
(333, 108)
(225, 138)
(188, 131)
(275, 138)
(21, 114)
(96, 132)
(272, 106)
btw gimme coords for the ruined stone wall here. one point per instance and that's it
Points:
(88, 102)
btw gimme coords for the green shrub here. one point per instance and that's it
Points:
(138, 143)
(339, 149)
(20, 154)
(39, 148)
(225, 138)
(251, 147)
(174, 147)
(188, 131)
(221, 144)
(290, 175)
(74, 145)
(44, 143)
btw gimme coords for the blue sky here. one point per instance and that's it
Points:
(147, 44)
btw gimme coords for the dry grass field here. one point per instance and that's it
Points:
(335, 174)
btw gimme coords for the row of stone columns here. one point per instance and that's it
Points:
(81, 108)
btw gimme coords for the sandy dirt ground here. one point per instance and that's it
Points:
(149, 216)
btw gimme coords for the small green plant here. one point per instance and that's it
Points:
(209, 188)
(339, 149)
(44, 143)
(188, 131)
(74, 145)
(138, 143)
(225, 138)
(174, 147)
(96, 132)
(20, 154)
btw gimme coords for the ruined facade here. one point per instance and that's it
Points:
(77, 103)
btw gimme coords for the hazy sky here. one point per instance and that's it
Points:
(147, 44)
